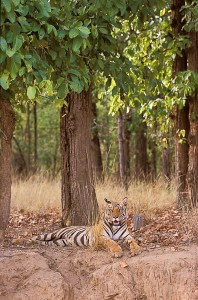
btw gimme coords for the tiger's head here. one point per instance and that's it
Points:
(116, 213)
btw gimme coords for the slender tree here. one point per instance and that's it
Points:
(28, 133)
(124, 147)
(141, 159)
(95, 146)
(181, 119)
(166, 165)
(35, 138)
(192, 175)
(7, 123)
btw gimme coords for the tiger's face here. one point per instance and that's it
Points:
(116, 213)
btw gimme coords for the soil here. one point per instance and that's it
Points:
(167, 269)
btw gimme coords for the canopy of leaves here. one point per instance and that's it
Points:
(66, 42)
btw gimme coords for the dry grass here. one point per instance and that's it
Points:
(146, 198)
(36, 194)
(154, 202)
(40, 194)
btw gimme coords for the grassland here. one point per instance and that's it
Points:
(38, 193)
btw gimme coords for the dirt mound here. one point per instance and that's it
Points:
(72, 274)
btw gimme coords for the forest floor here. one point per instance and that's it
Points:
(166, 269)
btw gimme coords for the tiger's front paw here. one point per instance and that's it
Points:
(117, 254)
(116, 250)
(135, 249)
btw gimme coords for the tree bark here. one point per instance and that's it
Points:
(141, 159)
(192, 176)
(124, 148)
(28, 131)
(7, 123)
(55, 157)
(166, 165)
(181, 115)
(35, 138)
(21, 167)
(95, 147)
(152, 161)
(79, 204)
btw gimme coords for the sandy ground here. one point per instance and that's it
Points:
(29, 273)
(167, 269)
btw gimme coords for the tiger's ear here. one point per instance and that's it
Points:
(107, 201)
(125, 201)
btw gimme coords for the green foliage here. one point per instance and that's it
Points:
(190, 11)
(49, 48)
(45, 40)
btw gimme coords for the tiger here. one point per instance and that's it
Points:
(112, 231)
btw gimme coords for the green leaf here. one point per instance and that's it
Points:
(63, 90)
(31, 92)
(41, 33)
(73, 33)
(49, 28)
(11, 16)
(7, 5)
(4, 80)
(16, 2)
(23, 21)
(76, 85)
(103, 30)
(22, 71)
(84, 31)
(94, 31)
(77, 42)
(74, 72)
(43, 9)
(3, 44)
(10, 52)
(2, 57)
(162, 12)
(18, 43)
(55, 31)
(23, 9)
(13, 67)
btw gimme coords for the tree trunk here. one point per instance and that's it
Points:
(7, 123)
(124, 146)
(166, 165)
(181, 154)
(192, 176)
(35, 138)
(22, 166)
(79, 204)
(152, 161)
(55, 157)
(141, 160)
(181, 115)
(28, 138)
(95, 147)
